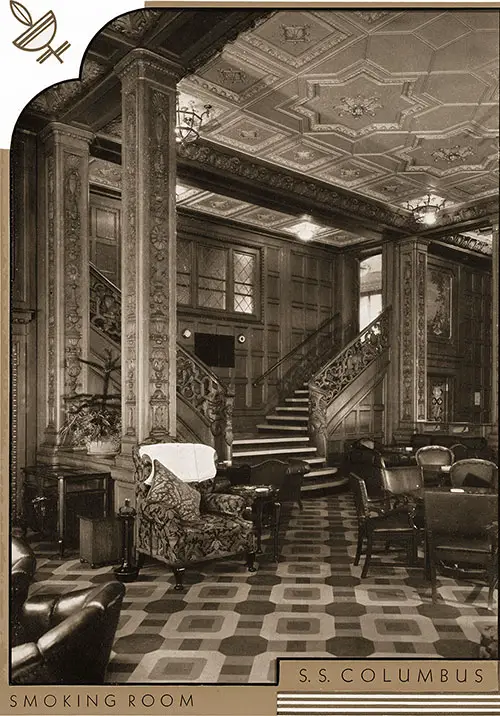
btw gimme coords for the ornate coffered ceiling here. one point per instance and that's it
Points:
(356, 111)
(389, 104)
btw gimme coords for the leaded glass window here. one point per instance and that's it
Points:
(184, 272)
(217, 278)
(244, 281)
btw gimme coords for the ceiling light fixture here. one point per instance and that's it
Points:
(427, 209)
(188, 122)
(305, 230)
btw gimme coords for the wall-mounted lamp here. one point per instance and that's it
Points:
(241, 338)
(186, 333)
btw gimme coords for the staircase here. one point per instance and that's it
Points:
(284, 436)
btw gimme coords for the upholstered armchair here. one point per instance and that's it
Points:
(181, 517)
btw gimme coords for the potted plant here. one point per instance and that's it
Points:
(93, 420)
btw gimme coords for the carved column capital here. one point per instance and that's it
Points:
(57, 132)
(143, 64)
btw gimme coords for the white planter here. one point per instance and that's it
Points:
(104, 448)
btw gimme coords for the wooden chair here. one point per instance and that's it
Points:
(376, 522)
(430, 459)
(462, 529)
(286, 476)
(474, 472)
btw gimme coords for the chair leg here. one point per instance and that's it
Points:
(179, 575)
(276, 529)
(251, 562)
(359, 548)
(369, 547)
(141, 558)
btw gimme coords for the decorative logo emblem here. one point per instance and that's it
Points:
(452, 154)
(232, 76)
(358, 106)
(39, 34)
(295, 33)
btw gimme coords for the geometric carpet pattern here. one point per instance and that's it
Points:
(230, 625)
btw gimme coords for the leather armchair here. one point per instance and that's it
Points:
(22, 570)
(69, 637)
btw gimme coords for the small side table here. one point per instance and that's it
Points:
(47, 483)
(261, 496)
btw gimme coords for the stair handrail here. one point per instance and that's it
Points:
(378, 327)
(326, 322)
(104, 278)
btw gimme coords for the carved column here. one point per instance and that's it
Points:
(410, 333)
(148, 253)
(495, 297)
(63, 272)
(390, 297)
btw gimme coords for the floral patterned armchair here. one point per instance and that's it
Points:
(180, 521)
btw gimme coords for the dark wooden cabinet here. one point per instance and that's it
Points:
(100, 540)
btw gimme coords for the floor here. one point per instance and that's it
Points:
(230, 625)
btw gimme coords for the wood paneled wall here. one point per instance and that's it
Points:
(297, 292)
(462, 357)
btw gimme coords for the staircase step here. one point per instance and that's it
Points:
(323, 483)
(301, 392)
(277, 428)
(289, 418)
(315, 460)
(259, 440)
(283, 451)
(299, 401)
(321, 472)
(295, 409)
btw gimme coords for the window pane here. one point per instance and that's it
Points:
(244, 282)
(212, 283)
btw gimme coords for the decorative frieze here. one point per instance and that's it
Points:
(210, 156)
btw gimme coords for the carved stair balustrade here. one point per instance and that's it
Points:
(341, 371)
(198, 386)
(206, 413)
(105, 306)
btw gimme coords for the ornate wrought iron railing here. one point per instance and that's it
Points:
(211, 400)
(342, 370)
(105, 305)
(304, 359)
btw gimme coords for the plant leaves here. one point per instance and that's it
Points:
(21, 13)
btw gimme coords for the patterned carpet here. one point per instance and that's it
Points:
(230, 625)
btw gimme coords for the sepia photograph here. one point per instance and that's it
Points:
(254, 352)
